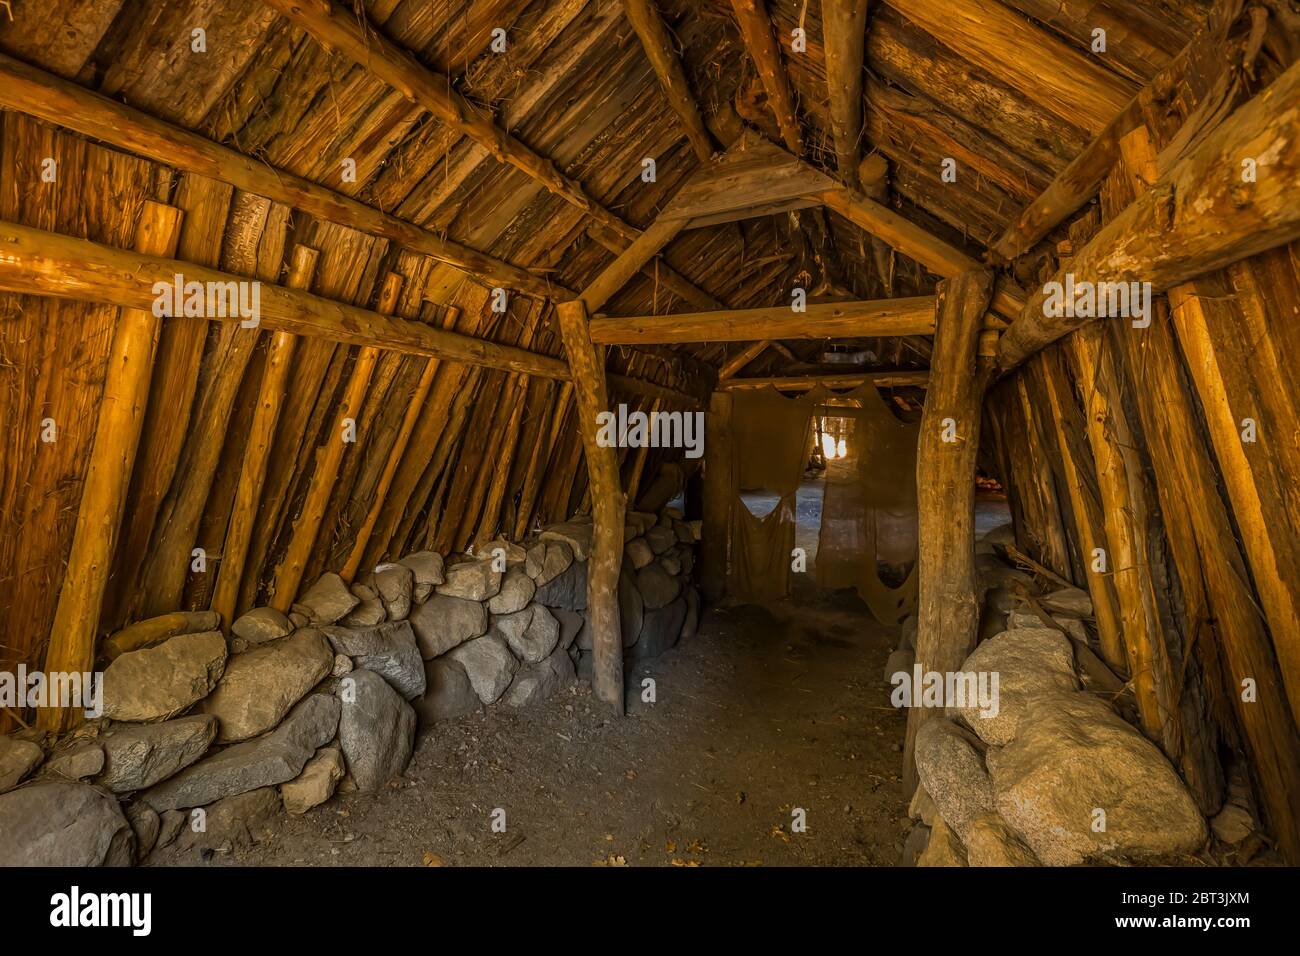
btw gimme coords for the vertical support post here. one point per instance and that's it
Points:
(108, 475)
(587, 368)
(948, 606)
(719, 492)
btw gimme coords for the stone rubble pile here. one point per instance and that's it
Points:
(289, 708)
(1056, 776)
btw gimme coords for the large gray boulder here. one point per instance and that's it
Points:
(490, 665)
(161, 681)
(396, 586)
(572, 624)
(73, 760)
(990, 842)
(1079, 784)
(660, 538)
(533, 683)
(631, 610)
(473, 579)
(952, 772)
(1030, 663)
(556, 561)
(658, 588)
(444, 622)
(943, 848)
(389, 650)
(376, 729)
(427, 567)
(262, 762)
(661, 630)
(576, 534)
(18, 758)
(366, 614)
(1067, 602)
(531, 633)
(235, 821)
(57, 823)
(638, 552)
(328, 600)
(448, 692)
(261, 624)
(316, 783)
(260, 685)
(517, 589)
(567, 590)
(137, 756)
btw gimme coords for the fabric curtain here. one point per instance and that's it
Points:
(869, 504)
(771, 451)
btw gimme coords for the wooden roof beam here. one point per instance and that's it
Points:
(1199, 216)
(1082, 178)
(756, 32)
(909, 316)
(802, 383)
(37, 262)
(910, 239)
(844, 38)
(658, 45)
(1068, 84)
(32, 91)
(742, 358)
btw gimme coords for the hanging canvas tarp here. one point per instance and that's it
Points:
(869, 505)
(771, 442)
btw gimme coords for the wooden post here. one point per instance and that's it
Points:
(248, 492)
(844, 32)
(719, 491)
(756, 31)
(948, 606)
(288, 576)
(587, 368)
(108, 475)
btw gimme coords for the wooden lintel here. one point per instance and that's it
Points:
(803, 383)
(885, 317)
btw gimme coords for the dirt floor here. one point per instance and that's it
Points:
(759, 714)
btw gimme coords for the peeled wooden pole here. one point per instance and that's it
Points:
(1210, 209)
(819, 320)
(409, 420)
(756, 31)
(288, 576)
(719, 492)
(658, 45)
(38, 262)
(261, 433)
(802, 383)
(108, 474)
(587, 366)
(948, 604)
(844, 34)
(742, 358)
